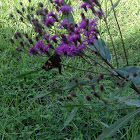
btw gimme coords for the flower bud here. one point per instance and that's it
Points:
(19, 12)
(80, 87)
(32, 8)
(18, 49)
(21, 18)
(40, 4)
(69, 97)
(82, 15)
(95, 63)
(127, 75)
(23, 9)
(60, 99)
(101, 75)
(117, 83)
(134, 74)
(75, 80)
(21, 43)
(90, 76)
(101, 87)
(88, 98)
(30, 40)
(96, 94)
(21, 3)
(37, 38)
(73, 94)
(11, 15)
(98, 79)
(92, 86)
(11, 40)
(26, 35)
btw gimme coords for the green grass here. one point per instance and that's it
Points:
(24, 117)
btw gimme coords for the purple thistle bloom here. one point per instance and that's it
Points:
(50, 21)
(73, 37)
(61, 2)
(81, 48)
(33, 50)
(53, 37)
(39, 45)
(64, 24)
(84, 6)
(46, 48)
(66, 9)
(82, 24)
(99, 13)
(62, 48)
(72, 51)
(50, 14)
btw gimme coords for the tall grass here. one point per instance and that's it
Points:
(24, 117)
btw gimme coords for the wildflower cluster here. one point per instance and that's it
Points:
(72, 42)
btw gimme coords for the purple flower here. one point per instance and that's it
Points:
(66, 9)
(62, 48)
(100, 13)
(50, 14)
(53, 37)
(46, 48)
(33, 50)
(50, 21)
(73, 37)
(81, 48)
(84, 6)
(82, 24)
(39, 45)
(61, 2)
(64, 24)
(72, 51)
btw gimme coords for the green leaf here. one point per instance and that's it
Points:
(28, 73)
(69, 119)
(70, 86)
(137, 137)
(113, 7)
(129, 101)
(45, 94)
(100, 46)
(110, 131)
(130, 70)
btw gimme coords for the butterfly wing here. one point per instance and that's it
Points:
(53, 62)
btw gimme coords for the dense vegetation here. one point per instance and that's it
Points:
(24, 116)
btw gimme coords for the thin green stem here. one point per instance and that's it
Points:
(120, 34)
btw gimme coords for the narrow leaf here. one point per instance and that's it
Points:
(113, 7)
(45, 94)
(69, 119)
(110, 131)
(28, 73)
(137, 137)
(100, 46)
(130, 70)
(129, 101)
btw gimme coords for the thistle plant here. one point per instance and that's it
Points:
(57, 35)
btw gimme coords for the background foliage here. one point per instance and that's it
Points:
(25, 117)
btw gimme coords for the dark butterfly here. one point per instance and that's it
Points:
(53, 62)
